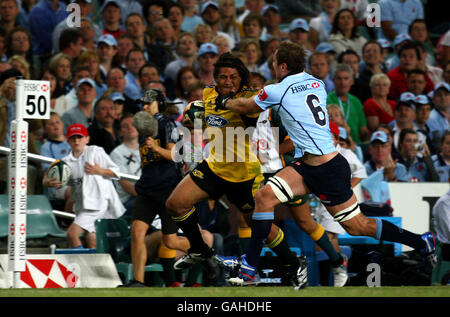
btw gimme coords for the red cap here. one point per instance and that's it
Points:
(334, 129)
(76, 129)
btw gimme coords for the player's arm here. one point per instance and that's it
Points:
(239, 105)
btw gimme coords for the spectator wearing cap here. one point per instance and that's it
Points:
(350, 105)
(43, 18)
(299, 33)
(344, 34)
(438, 121)
(272, 20)
(104, 129)
(328, 49)
(404, 118)
(135, 29)
(116, 81)
(82, 113)
(111, 13)
(106, 50)
(206, 58)
(380, 158)
(416, 157)
(228, 22)
(409, 56)
(397, 15)
(85, 11)
(191, 17)
(322, 24)
(379, 109)
(78, 72)
(211, 16)
(423, 110)
(441, 160)
(393, 61)
(386, 52)
(119, 102)
(319, 67)
(134, 61)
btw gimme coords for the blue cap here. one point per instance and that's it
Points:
(384, 43)
(206, 6)
(299, 23)
(268, 7)
(441, 85)
(379, 136)
(115, 96)
(206, 48)
(406, 99)
(325, 47)
(108, 2)
(107, 39)
(422, 100)
(400, 38)
(86, 80)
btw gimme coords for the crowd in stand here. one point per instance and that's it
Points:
(388, 86)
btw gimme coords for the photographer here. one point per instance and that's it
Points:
(416, 157)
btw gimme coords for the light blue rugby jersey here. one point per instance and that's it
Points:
(302, 107)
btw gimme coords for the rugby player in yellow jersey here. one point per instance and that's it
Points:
(231, 169)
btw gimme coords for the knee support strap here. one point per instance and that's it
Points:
(280, 188)
(347, 213)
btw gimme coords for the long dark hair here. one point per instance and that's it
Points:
(336, 29)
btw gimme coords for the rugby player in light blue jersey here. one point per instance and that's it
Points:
(318, 167)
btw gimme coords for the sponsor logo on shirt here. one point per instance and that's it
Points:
(262, 95)
(300, 88)
(216, 121)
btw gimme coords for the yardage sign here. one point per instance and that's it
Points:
(35, 99)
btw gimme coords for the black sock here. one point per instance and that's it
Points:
(287, 257)
(260, 231)
(189, 224)
(391, 232)
(169, 271)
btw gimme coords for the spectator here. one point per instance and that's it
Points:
(251, 7)
(441, 160)
(186, 51)
(206, 58)
(21, 64)
(103, 130)
(91, 59)
(350, 105)
(396, 16)
(116, 81)
(89, 33)
(43, 18)
(162, 49)
(409, 56)
(134, 61)
(186, 76)
(380, 157)
(320, 68)
(152, 11)
(191, 18)
(379, 109)
(359, 8)
(18, 42)
(91, 187)
(77, 73)
(148, 73)
(129, 7)
(71, 43)
(438, 121)
(135, 29)
(256, 81)
(228, 23)
(60, 104)
(3, 56)
(360, 88)
(404, 117)
(83, 112)
(416, 157)
(176, 17)
(60, 64)
(127, 158)
(320, 26)
(372, 63)
(10, 15)
(416, 81)
(124, 45)
(253, 26)
(222, 43)
(203, 34)
(392, 60)
(269, 48)
(434, 73)
(344, 34)
(328, 49)
(446, 73)
(106, 49)
(299, 33)
(211, 16)
(423, 110)
(419, 32)
(111, 13)
(252, 52)
(272, 20)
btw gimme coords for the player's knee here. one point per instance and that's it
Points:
(262, 198)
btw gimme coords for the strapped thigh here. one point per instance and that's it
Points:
(347, 213)
(281, 188)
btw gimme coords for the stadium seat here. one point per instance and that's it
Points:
(41, 221)
(113, 237)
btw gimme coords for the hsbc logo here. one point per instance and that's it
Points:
(49, 273)
(315, 85)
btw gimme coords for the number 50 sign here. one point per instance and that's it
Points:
(35, 99)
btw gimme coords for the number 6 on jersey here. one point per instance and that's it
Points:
(313, 103)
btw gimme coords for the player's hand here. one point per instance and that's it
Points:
(151, 144)
(221, 101)
(53, 182)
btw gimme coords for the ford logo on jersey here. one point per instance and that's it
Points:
(216, 121)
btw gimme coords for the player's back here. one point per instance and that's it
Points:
(303, 111)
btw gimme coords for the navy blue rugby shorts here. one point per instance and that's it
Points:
(330, 182)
